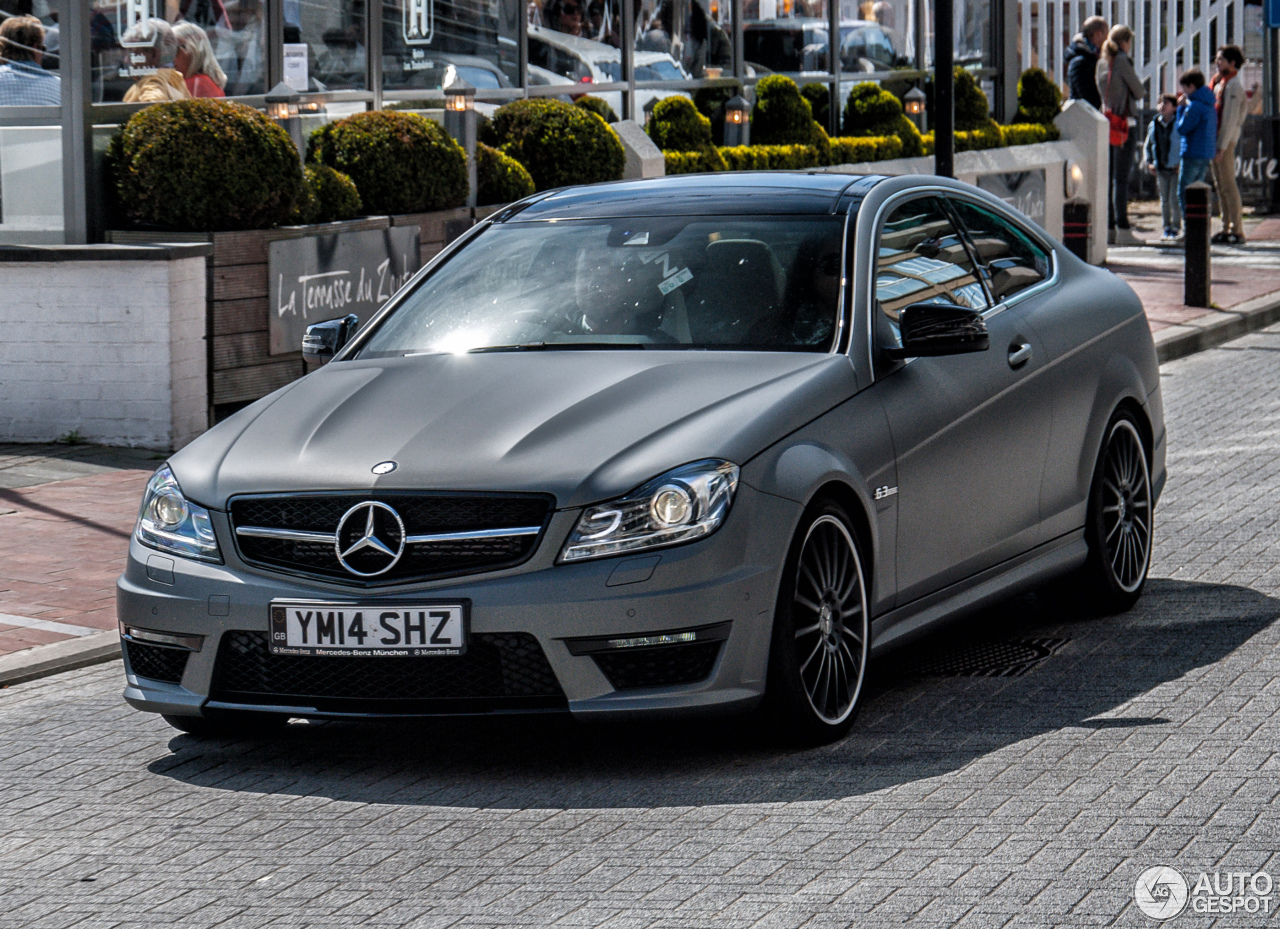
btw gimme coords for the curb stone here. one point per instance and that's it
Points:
(56, 657)
(1197, 335)
(1216, 327)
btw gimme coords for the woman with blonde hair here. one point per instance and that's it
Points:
(1122, 95)
(196, 61)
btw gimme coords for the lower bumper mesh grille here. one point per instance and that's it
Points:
(499, 671)
(662, 666)
(157, 663)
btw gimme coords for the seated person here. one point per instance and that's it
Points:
(23, 80)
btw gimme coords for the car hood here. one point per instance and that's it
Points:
(582, 425)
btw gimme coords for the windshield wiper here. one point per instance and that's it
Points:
(553, 346)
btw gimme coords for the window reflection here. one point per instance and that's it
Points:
(425, 43)
(139, 52)
(29, 56)
(325, 44)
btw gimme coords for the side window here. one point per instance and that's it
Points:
(920, 258)
(1012, 260)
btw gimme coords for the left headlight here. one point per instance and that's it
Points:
(170, 522)
(685, 504)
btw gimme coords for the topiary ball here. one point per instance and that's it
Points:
(499, 178)
(819, 97)
(870, 110)
(1039, 99)
(336, 195)
(677, 126)
(972, 109)
(205, 165)
(781, 116)
(558, 143)
(400, 162)
(599, 106)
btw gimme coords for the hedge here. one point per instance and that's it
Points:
(400, 162)
(1028, 133)
(702, 162)
(499, 177)
(558, 143)
(204, 165)
(846, 150)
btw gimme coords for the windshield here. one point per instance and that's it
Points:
(761, 284)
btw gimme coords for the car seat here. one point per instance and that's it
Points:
(740, 289)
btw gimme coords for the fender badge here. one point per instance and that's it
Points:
(384, 467)
(885, 492)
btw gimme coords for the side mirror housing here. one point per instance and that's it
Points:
(931, 329)
(324, 340)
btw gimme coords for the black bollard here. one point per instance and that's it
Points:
(1196, 216)
(1075, 227)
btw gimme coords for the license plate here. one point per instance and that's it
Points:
(413, 630)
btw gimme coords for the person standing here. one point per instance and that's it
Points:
(1161, 152)
(1082, 61)
(1122, 94)
(1197, 124)
(1231, 104)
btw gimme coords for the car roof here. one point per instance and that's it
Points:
(574, 43)
(741, 193)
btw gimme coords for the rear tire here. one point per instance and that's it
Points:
(228, 724)
(821, 632)
(1119, 522)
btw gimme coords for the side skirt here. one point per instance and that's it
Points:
(1043, 563)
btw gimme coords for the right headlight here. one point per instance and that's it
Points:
(685, 504)
(170, 522)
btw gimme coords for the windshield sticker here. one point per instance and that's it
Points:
(639, 239)
(683, 276)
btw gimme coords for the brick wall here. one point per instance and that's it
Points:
(112, 350)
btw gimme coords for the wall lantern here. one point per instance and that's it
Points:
(913, 103)
(282, 106)
(1072, 179)
(737, 122)
(460, 122)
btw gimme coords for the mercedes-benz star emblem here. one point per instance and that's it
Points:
(370, 539)
(383, 467)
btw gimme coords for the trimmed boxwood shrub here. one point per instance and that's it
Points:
(781, 116)
(701, 162)
(204, 165)
(400, 162)
(677, 126)
(558, 143)
(846, 150)
(971, 107)
(819, 97)
(1028, 133)
(1039, 99)
(599, 106)
(499, 177)
(870, 110)
(708, 100)
(331, 196)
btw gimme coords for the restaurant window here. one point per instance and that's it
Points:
(425, 43)
(325, 45)
(156, 50)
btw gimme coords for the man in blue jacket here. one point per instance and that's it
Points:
(1082, 61)
(1197, 124)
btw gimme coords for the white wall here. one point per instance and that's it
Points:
(113, 350)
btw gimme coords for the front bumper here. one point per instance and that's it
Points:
(731, 577)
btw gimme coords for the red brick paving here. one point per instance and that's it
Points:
(62, 550)
(1161, 290)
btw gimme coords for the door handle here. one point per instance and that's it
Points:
(1019, 354)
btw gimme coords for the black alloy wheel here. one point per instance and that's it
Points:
(821, 631)
(1120, 518)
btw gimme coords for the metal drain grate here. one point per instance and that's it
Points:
(991, 659)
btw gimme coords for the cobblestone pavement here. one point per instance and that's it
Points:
(1032, 800)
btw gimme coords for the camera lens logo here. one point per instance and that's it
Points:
(1161, 892)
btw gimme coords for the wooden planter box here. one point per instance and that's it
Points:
(241, 367)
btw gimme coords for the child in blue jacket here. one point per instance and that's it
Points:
(1162, 152)
(1197, 123)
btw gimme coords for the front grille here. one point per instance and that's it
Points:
(157, 662)
(498, 671)
(660, 666)
(422, 514)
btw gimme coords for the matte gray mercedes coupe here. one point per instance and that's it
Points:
(702, 443)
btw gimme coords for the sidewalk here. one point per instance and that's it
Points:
(1245, 287)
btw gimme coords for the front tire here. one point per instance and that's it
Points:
(1119, 527)
(821, 631)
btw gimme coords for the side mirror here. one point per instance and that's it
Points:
(324, 340)
(930, 329)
